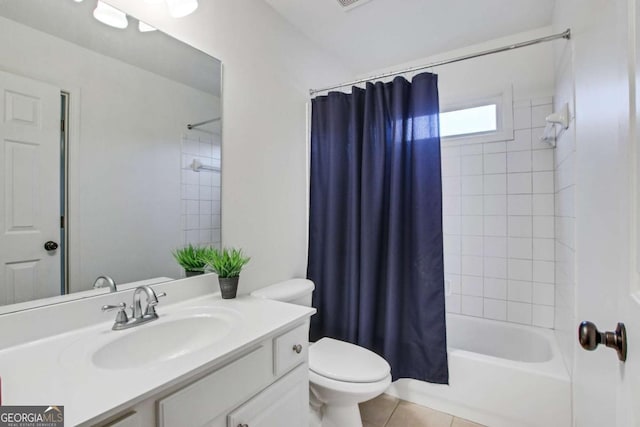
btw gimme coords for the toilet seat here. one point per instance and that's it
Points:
(344, 362)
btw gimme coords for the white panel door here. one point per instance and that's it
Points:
(29, 189)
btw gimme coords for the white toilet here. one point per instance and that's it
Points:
(341, 374)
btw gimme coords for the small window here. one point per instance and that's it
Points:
(468, 121)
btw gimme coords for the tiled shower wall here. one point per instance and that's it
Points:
(201, 190)
(498, 205)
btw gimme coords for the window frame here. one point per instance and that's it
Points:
(504, 118)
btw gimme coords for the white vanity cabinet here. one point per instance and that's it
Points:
(265, 386)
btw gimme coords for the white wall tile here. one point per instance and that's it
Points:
(495, 246)
(206, 207)
(471, 185)
(471, 165)
(451, 224)
(519, 312)
(450, 166)
(543, 204)
(495, 226)
(470, 149)
(495, 163)
(452, 303)
(471, 306)
(495, 267)
(495, 288)
(472, 225)
(451, 186)
(519, 290)
(520, 247)
(519, 161)
(495, 205)
(454, 282)
(450, 151)
(543, 226)
(472, 285)
(521, 141)
(451, 264)
(522, 118)
(451, 244)
(472, 245)
(542, 160)
(520, 269)
(520, 226)
(543, 271)
(495, 184)
(495, 309)
(494, 147)
(543, 316)
(472, 205)
(543, 293)
(471, 265)
(519, 183)
(519, 204)
(543, 249)
(451, 205)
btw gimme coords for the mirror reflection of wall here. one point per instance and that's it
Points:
(119, 170)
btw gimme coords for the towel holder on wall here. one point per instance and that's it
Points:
(197, 166)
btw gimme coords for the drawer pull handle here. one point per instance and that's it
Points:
(243, 425)
(297, 348)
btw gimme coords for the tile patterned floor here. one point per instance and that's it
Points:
(388, 411)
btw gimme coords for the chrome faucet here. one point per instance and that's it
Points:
(100, 283)
(137, 316)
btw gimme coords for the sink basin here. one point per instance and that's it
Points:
(162, 340)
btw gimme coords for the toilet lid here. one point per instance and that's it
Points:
(343, 361)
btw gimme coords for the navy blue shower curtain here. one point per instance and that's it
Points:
(375, 237)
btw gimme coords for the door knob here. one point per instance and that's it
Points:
(590, 338)
(50, 246)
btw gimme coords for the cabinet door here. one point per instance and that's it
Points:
(283, 404)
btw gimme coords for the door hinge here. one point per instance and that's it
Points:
(62, 125)
(62, 222)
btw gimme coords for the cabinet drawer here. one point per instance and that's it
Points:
(290, 349)
(213, 395)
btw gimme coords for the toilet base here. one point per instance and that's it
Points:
(341, 416)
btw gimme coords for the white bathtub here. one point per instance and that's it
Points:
(500, 375)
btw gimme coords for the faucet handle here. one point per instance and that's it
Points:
(150, 310)
(121, 317)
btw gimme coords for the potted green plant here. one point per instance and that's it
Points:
(227, 264)
(192, 258)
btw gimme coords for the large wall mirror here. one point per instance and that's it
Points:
(110, 155)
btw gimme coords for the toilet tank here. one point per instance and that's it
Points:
(294, 291)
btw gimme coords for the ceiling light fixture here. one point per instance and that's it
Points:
(111, 16)
(180, 8)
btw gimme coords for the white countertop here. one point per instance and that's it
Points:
(58, 371)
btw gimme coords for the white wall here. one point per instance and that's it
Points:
(268, 67)
(600, 162)
(126, 127)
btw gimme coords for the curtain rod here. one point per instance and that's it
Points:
(195, 125)
(564, 35)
